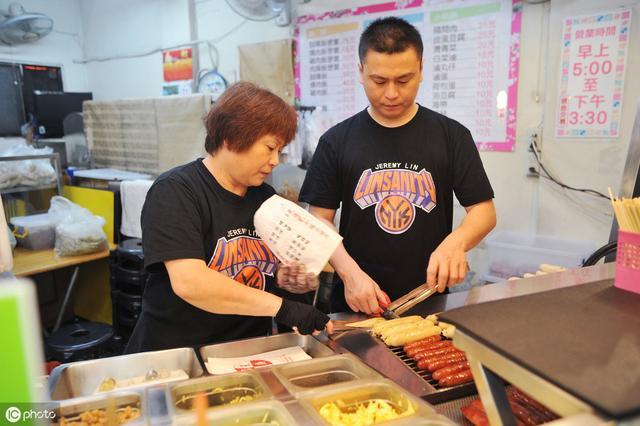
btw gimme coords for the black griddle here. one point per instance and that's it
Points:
(583, 339)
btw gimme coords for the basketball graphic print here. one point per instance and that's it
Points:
(395, 214)
(250, 276)
(398, 196)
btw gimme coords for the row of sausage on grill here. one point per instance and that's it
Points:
(447, 364)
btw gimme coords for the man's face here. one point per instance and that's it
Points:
(391, 82)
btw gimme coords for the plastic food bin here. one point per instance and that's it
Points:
(34, 232)
(516, 253)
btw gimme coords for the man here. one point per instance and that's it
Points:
(394, 167)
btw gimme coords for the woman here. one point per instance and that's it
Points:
(210, 273)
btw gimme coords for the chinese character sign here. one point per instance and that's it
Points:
(594, 51)
(471, 67)
(470, 61)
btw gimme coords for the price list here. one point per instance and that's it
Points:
(469, 68)
(329, 61)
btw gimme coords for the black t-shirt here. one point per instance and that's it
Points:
(396, 188)
(188, 215)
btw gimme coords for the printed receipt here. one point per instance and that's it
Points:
(294, 235)
(279, 356)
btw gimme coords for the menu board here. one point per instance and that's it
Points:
(594, 51)
(470, 61)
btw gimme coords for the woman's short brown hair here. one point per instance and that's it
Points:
(245, 113)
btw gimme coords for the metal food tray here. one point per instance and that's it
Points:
(262, 413)
(82, 378)
(246, 347)
(117, 401)
(350, 396)
(314, 374)
(219, 390)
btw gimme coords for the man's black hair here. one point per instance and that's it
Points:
(389, 35)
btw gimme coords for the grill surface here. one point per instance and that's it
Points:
(440, 394)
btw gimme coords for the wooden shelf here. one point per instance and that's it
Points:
(31, 262)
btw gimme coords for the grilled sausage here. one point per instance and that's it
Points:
(522, 414)
(433, 365)
(439, 374)
(532, 405)
(405, 337)
(435, 352)
(475, 415)
(423, 342)
(427, 347)
(378, 328)
(460, 377)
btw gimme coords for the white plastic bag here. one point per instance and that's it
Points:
(78, 231)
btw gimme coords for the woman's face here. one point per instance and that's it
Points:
(251, 167)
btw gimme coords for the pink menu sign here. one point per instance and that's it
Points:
(594, 52)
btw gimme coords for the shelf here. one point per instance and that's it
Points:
(28, 188)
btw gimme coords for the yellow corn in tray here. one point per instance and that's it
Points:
(368, 413)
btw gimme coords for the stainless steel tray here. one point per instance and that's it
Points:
(72, 410)
(260, 413)
(83, 378)
(315, 374)
(220, 391)
(257, 345)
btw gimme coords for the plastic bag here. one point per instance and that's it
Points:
(26, 172)
(78, 231)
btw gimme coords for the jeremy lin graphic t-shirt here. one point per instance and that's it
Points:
(396, 188)
(188, 215)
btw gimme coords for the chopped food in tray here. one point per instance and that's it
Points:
(362, 413)
(102, 417)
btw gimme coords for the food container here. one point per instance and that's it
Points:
(85, 377)
(264, 413)
(314, 374)
(223, 390)
(246, 347)
(34, 232)
(349, 397)
(124, 405)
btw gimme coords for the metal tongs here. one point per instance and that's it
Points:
(408, 301)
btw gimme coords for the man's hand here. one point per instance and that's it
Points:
(294, 278)
(447, 264)
(362, 293)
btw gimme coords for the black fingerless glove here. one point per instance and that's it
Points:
(304, 317)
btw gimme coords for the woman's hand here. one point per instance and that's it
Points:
(294, 278)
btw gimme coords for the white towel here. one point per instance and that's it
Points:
(132, 195)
